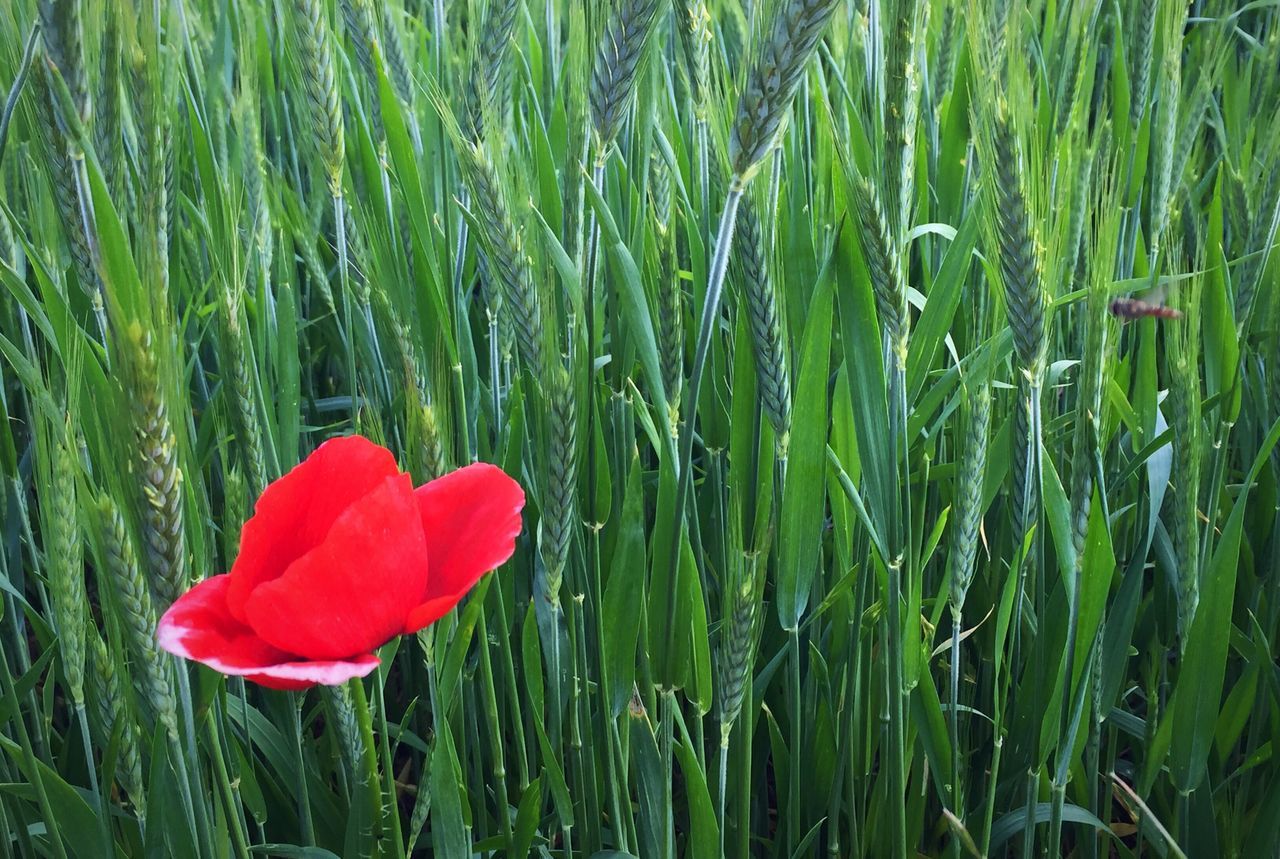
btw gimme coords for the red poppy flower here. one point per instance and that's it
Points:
(342, 555)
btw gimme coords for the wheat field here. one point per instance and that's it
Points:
(894, 386)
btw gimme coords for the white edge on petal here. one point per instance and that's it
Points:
(171, 638)
(329, 673)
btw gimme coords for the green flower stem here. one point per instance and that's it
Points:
(900, 571)
(793, 701)
(494, 726)
(592, 252)
(1029, 812)
(509, 673)
(104, 819)
(235, 815)
(992, 783)
(340, 226)
(583, 732)
(495, 370)
(706, 330)
(668, 810)
(1092, 756)
(304, 796)
(703, 143)
(893, 713)
(1061, 774)
(957, 801)
(459, 260)
(391, 807)
(189, 781)
(615, 774)
(368, 780)
(723, 782)
(184, 779)
(242, 694)
(575, 756)
(745, 727)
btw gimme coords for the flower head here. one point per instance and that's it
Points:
(341, 555)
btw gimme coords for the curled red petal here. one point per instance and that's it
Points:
(296, 512)
(471, 518)
(352, 593)
(432, 610)
(199, 626)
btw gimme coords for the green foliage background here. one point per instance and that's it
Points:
(876, 507)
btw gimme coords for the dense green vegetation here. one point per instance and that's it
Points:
(895, 385)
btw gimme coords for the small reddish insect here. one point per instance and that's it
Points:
(1136, 308)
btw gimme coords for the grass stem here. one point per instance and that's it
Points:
(304, 796)
(706, 330)
(52, 833)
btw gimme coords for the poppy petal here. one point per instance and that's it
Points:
(296, 512)
(432, 610)
(200, 627)
(471, 518)
(352, 593)
(302, 675)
